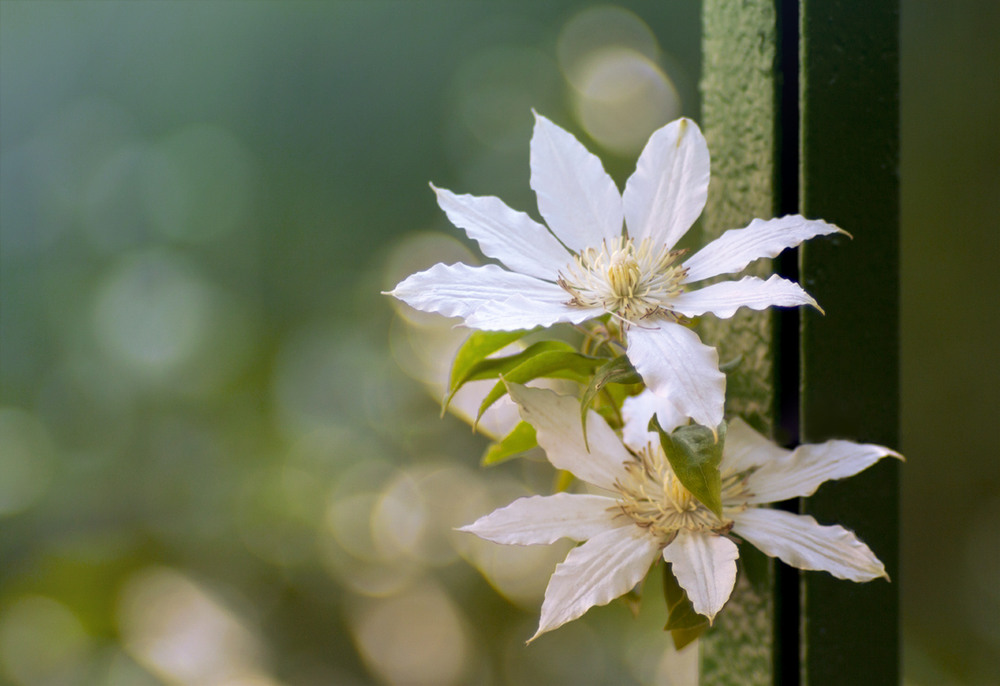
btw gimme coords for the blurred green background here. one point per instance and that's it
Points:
(217, 463)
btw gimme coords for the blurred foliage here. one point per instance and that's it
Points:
(220, 461)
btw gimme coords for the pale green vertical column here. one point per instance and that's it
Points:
(739, 120)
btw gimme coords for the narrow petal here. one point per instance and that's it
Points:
(668, 190)
(705, 566)
(577, 198)
(543, 307)
(745, 448)
(800, 472)
(723, 299)
(798, 540)
(735, 249)
(556, 419)
(544, 519)
(605, 567)
(637, 410)
(676, 365)
(459, 290)
(512, 237)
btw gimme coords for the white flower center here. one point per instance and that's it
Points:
(654, 498)
(629, 281)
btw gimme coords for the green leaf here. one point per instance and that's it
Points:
(694, 453)
(683, 623)
(554, 364)
(493, 367)
(475, 349)
(730, 365)
(618, 370)
(520, 439)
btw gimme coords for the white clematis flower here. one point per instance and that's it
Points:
(647, 513)
(584, 265)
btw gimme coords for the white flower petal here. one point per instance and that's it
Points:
(735, 249)
(544, 519)
(676, 365)
(668, 190)
(801, 542)
(476, 293)
(512, 237)
(602, 569)
(745, 448)
(577, 198)
(800, 472)
(556, 419)
(545, 306)
(705, 566)
(723, 299)
(637, 410)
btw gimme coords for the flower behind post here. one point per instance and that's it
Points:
(584, 265)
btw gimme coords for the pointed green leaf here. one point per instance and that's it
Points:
(476, 348)
(694, 453)
(493, 367)
(520, 439)
(555, 364)
(683, 623)
(618, 370)
(683, 637)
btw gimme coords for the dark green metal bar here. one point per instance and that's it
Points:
(850, 379)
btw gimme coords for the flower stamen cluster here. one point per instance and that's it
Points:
(653, 497)
(628, 280)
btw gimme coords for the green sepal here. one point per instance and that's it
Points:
(475, 349)
(695, 453)
(730, 365)
(493, 367)
(618, 370)
(520, 439)
(555, 364)
(683, 623)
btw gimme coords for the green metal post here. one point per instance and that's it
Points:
(850, 376)
(800, 108)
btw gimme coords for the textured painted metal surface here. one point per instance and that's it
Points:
(850, 378)
(738, 118)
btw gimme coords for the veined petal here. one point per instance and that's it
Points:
(543, 519)
(556, 419)
(512, 237)
(458, 290)
(801, 471)
(801, 542)
(745, 448)
(735, 249)
(577, 198)
(723, 299)
(595, 573)
(668, 190)
(637, 410)
(545, 306)
(676, 365)
(705, 566)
